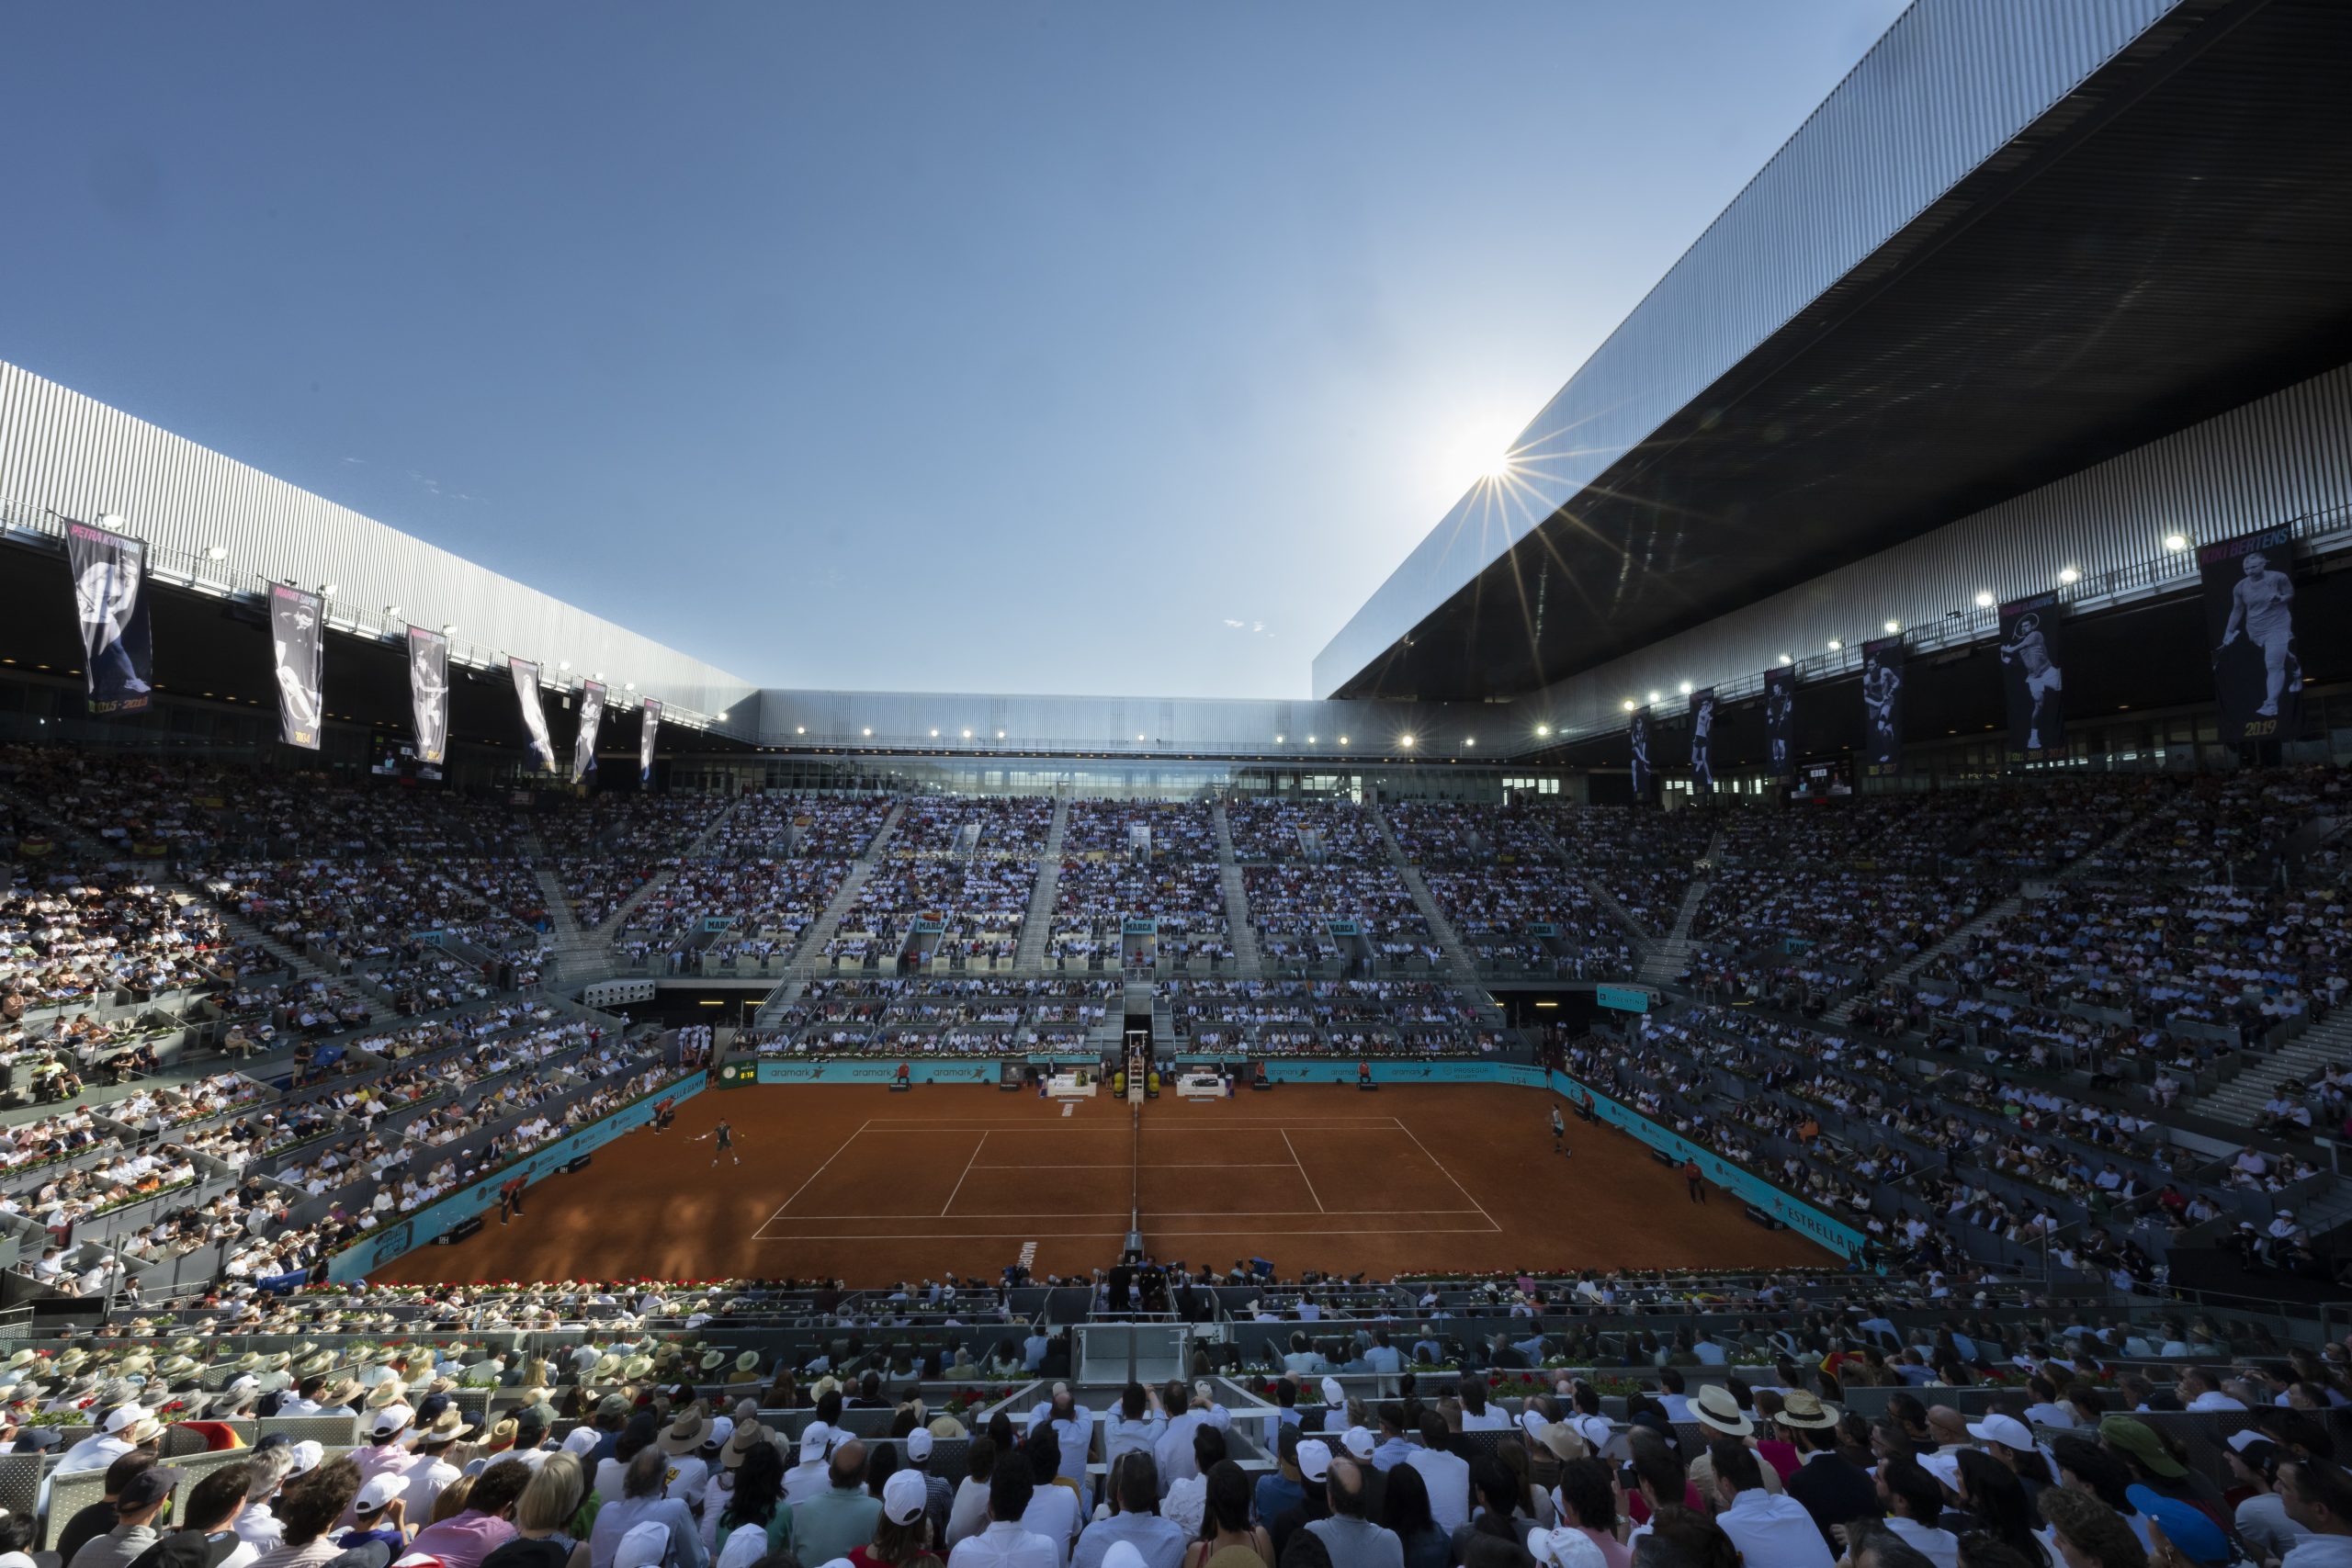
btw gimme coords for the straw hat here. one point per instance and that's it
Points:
(391, 1391)
(342, 1392)
(748, 1435)
(1800, 1407)
(636, 1368)
(712, 1359)
(749, 1362)
(687, 1433)
(315, 1366)
(1564, 1440)
(1718, 1411)
(606, 1369)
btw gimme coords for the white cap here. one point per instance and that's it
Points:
(1358, 1442)
(746, 1544)
(1565, 1548)
(722, 1428)
(580, 1439)
(919, 1444)
(645, 1545)
(1314, 1458)
(1944, 1467)
(1333, 1395)
(903, 1496)
(390, 1419)
(2006, 1430)
(382, 1488)
(814, 1438)
(2248, 1438)
(1123, 1554)
(308, 1455)
(125, 1416)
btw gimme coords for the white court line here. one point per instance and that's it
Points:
(1190, 1165)
(967, 1171)
(1447, 1174)
(1302, 1172)
(1096, 1236)
(1122, 1214)
(759, 1234)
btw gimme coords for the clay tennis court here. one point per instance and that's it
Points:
(872, 1187)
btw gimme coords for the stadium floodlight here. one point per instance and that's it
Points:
(1310, 740)
(563, 663)
(1470, 740)
(216, 552)
(1138, 737)
(2069, 575)
(1892, 626)
(1344, 741)
(1788, 658)
(451, 630)
(628, 685)
(800, 729)
(1629, 704)
(1278, 740)
(598, 676)
(967, 735)
(1658, 697)
(1835, 645)
(935, 735)
(393, 611)
(2176, 541)
(327, 589)
(870, 733)
(999, 734)
(109, 519)
(1984, 601)
(722, 718)
(1543, 729)
(1406, 741)
(1685, 688)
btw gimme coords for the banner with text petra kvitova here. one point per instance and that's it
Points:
(592, 718)
(1882, 705)
(1703, 740)
(1781, 720)
(428, 692)
(298, 644)
(2033, 676)
(648, 724)
(110, 600)
(1639, 732)
(2250, 625)
(535, 713)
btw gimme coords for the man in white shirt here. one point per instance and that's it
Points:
(809, 1479)
(1914, 1501)
(1445, 1473)
(1766, 1529)
(2198, 1392)
(1072, 1424)
(1005, 1543)
(1173, 1452)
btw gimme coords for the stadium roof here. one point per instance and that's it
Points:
(2017, 240)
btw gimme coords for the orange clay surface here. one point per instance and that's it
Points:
(872, 1186)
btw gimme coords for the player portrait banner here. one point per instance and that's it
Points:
(1640, 732)
(2033, 675)
(1781, 720)
(1703, 735)
(1882, 705)
(298, 642)
(592, 718)
(535, 713)
(110, 601)
(651, 722)
(2250, 625)
(428, 692)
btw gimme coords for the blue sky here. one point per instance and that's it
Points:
(1015, 347)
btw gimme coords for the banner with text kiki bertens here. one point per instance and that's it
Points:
(592, 717)
(110, 600)
(2250, 626)
(535, 713)
(648, 724)
(298, 642)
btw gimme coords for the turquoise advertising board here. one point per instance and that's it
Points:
(879, 1072)
(1624, 998)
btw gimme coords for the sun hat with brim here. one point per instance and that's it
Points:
(176, 1367)
(636, 1368)
(686, 1433)
(186, 1345)
(2139, 1439)
(948, 1426)
(314, 1366)
(1718, 1411)
(2006, 1430)
(746, 1436)
(607, 1369)
(145, 1430)
(344, 1390)
(1805, 1410)
(1564, 1442)
(712, 1359)
(22, 1358)
(749, 1362)
(2191, 1531)
(445, 1428)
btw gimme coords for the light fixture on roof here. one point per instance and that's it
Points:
(869, 732)
(563, 663)
(1138, 737)
(1470, 740)
(2069, 575)
(327, 589)
(1658, 697)
(1835, 645)
(393, 611)
(629, 686)
(1406, 741)
(800, 729)
(935, 735)
(2176, 541)
(109, 519)
(1788, 658)
(598, 676)
(216, 552)
(449, 630)
(1629, 704)
(1686, 688)
(1543, 729)
(1892, 626)
(1344, 741)
(999, 734)
(967, 735)
(1984, 601)
(722, 718)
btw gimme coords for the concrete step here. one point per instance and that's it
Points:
(1248, 964)
(1953, 941)
(1029, 955)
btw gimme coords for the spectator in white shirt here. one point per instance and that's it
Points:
(1446, 1473)
(1766, 1529)
(1006, 1542)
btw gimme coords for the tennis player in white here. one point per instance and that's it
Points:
(2030, 653)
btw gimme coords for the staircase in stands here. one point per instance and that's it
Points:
(1458, 968)
(1248, 964)
(1029, 953)
(809, 961)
